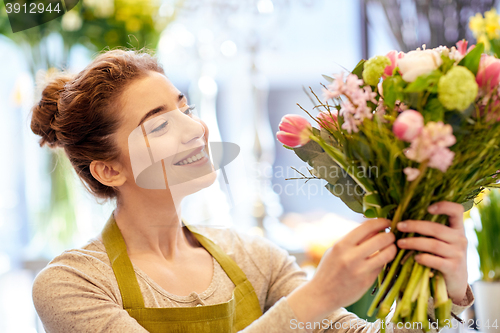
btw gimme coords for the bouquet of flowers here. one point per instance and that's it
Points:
(402, 132)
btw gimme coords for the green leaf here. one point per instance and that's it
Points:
(362, 150)
(370, 213)
(447, 64)
(471, 60)
(425, 82)
(468, 204)
(393, 87)
(412, 100)
(344, 189)
(371, 204)
(326, 168)
(358, 70)
(385, 210)
(308, 151)
(328, 78)
(328, 137)
(495, 47)
(433, 110)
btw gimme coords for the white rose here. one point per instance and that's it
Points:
(416, 63)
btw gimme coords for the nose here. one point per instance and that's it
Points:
(190, 129)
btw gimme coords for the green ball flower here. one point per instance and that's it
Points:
(457, 89)
(374, 68)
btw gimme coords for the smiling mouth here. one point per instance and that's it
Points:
(197, 155)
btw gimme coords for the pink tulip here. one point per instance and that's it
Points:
(408, 125)
(327, 121)
(393, 57)
(294, 131)
(462, 47)
(488, 74)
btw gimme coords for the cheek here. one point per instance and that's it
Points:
(162, 148)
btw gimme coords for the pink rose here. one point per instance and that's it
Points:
(488, 74)
(327, 121)
(393, 57)
(294, 131)
(408, 125)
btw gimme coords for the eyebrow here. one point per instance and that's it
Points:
(158, 109)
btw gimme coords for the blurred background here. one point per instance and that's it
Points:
(245, 64)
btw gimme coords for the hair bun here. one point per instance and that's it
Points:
(44, 114)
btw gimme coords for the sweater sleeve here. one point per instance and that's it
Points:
(67, 299)
(285, 275)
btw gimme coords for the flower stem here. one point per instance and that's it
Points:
(407, 196)
(442, 304)
(423, 299)
(386, 283)
(404, 307)
(386, 305)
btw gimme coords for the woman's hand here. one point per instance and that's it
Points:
(346, 271)
(446, 249)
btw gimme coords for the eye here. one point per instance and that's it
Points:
(160, 127)
(189, 110)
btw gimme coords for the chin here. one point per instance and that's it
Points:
(194, 185)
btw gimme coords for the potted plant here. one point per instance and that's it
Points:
(487, 289)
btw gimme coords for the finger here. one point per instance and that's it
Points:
(436, 230)
(368, 227)
(369, 236)
(384, 256)
(454, 210)
(430, 245)
(375, 243)
(441, 264)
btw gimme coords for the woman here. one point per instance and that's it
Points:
(149, 272)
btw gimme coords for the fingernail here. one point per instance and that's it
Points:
(402, 225)
(432, 209)
(402, 242)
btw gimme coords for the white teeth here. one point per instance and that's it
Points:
(193, 158)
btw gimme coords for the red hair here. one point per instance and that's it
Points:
(79, 113)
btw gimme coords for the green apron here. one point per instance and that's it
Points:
(231, 316)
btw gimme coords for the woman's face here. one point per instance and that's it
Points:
(163, 145)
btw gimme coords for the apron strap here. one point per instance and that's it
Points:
(125, 274)
(231, 268)
(122, 266)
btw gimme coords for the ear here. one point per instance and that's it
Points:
(108, 173)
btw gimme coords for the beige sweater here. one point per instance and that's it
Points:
(78, 292)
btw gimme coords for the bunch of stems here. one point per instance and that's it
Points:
(409, 283)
